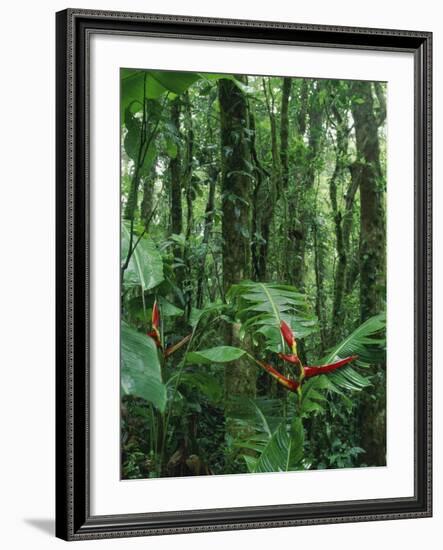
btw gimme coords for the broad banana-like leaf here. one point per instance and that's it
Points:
(219, 354)
(140, 367)
(145, 267)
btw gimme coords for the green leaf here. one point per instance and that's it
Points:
(145, 267)
(174, 81)
(134, 85)
(368, 342)
(132, 143)
(171, 148)
(220, 354)
(140, 367)
(138, 84)
(217, 76)
(205, 383)
(167, 309)
(284, 450)
(311, 398)
(262, 306)
(250, 463)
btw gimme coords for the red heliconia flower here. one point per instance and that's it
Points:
(154, 335)
(291, 385)
(287, 333)
(289, 358)
(305, 372)
(155, 316)
(323, 369)
(155, 321)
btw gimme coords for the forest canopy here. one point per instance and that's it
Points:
(253, 273)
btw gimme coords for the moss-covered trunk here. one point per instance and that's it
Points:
(367, 172)
(240, 376)
(175, 176)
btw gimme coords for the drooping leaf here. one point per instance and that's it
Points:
(138, 84)
(219, 354)
(168, 309)
(174, 81)
(262, 415)
(140, 367)
(205, 383)
(142, 155)
(145, 268)
(197, 315)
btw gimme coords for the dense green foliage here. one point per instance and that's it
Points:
(248, 202)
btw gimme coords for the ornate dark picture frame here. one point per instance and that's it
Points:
(74, 520)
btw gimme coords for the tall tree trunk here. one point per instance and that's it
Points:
(342, 219)
(147, 207)
(284, 132)
(240, 376)
(291, 198)
(175, 176)
(262, 207)
(209, 220)
(319, 271)
(189, 196)
(283, 202)
(176, 220)
(367, 172)
(187, 173)
(308, 169)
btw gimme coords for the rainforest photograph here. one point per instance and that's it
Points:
(252, 274)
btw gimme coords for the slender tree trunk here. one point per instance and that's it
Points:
(342, 219)
(308, 172)
(175, 175)
(292, 230)
(319, 271)
(187, 175)
(284, 132)
(240, 376)
(176, 219)
(367, 172)
(283, 202)
(262, 208)
(145, 130)
(189, 196)
(209, 220)
(147, 207)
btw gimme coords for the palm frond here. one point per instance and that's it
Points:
(275, 440)
(368, 342)
(262, 306)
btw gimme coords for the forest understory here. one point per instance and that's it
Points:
(253, 274)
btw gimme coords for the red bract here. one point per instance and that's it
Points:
(155, 321)
(287, 334)
(305, 372)
(291, 385)
(172, 349)
(154, 335)
(155, 316)
(290, 358)
(323, 369)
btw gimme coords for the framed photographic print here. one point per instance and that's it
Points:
(243, 274)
